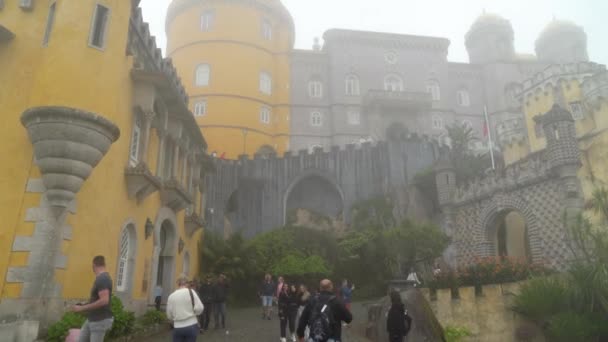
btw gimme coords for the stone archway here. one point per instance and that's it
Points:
(507, 227)
(315, 192)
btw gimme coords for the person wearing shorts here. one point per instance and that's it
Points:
(267, 294)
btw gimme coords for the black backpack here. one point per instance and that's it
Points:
(321, 322)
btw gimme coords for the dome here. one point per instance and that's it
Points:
(558, 29)
(562, 41)
(489, 22)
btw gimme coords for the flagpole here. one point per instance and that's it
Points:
(485, 113)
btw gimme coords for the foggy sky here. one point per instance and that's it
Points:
(440, 18)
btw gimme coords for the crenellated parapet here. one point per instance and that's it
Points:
(531, 170)
(511, 131)
(149, 58)
(554, 74)
(595, 89)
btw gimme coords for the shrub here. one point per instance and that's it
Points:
(124, 321)
(152, 317)
(58, 331)
(571, 326)
(541, 297)
(455, 334)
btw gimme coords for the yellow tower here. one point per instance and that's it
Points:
(233, 58)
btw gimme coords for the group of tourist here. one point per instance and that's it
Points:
(315, 317)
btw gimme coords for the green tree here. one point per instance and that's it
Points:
(467, 164)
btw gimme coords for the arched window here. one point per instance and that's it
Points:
(352, 85)
(393, 83)
(265, 115)
(315, 89)
(265, 83)
(437, 122)
(135, 140)
(462, 97)
(200, 108)
(316, 118)
(266, 29)
(203, 74)
(207, 19)
(126, 259)
(432, 87)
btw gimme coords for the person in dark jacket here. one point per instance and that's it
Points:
(220, 295)
(397, 322)
(266, 293)
(338, 310)
(205, 293)
(288, 309)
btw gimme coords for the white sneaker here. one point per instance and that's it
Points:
(293, 337)
(283, 339)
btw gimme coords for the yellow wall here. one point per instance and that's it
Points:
(70, 73)
(594, 171)
(237, 53)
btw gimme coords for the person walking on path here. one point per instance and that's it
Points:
(347, 293)
(412, 278)
(98, 310)
(158, 294)
(322, 308)
(220, 295)
(398, 323)
(288, 309)
(266, 293)
(183, 308)
(303, 298)
(279, 287)
(205, 292)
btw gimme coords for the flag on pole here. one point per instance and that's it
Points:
(488, 134)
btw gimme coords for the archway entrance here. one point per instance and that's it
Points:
(315, 194)
(510, 235)
(166, 258)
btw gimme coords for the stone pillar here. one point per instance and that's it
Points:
(148, 118)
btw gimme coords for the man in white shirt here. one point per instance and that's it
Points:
(183, 308)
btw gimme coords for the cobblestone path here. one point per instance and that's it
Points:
(246, 325)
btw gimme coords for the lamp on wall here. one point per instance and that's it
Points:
(149, 228)
(180, 246)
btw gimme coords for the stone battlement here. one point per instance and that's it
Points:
(595, 89)
(486, 314)
(150, 56)
(552, 74)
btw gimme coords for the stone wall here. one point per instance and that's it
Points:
(487, 315)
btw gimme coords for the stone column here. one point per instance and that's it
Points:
(148, 118)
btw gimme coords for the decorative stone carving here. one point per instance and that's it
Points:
(193, 222)
(174, 195)
(68, 144)
(5, 34)
(149, 228)
(180, 246)
(141, 182)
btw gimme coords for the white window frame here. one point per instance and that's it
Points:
(463, 98)
(577, 110)
(265, 83)
(265, 115)
(353, 117)
(102, 31)
(433, 88)
(200, 108)
(122, 271)
(207, 20)
(316, 119)
(352, 86)
(437, 122)
(266, 29)
(50, 21)
(315, 89)
(135, 141)
(202, 75)
(393, 82)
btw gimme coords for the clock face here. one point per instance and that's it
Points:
(390, 57)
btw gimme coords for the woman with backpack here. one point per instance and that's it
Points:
(288, 309)
(398, 322)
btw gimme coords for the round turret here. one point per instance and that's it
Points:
(562, 42)
(233, 58)
(490, 39)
